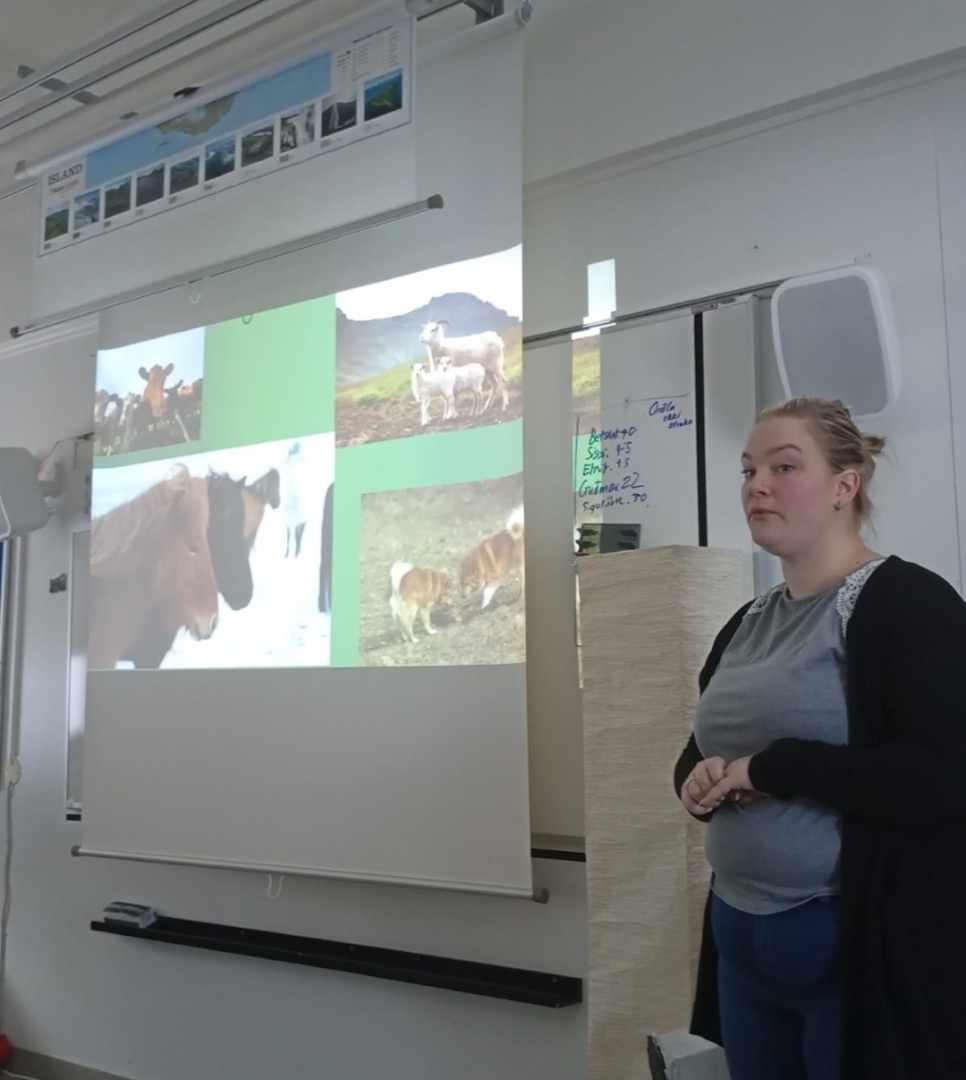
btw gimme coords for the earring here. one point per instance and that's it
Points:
(838, 506)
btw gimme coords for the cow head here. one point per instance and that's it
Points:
(153, 394)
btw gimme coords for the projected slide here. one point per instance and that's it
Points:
(333, 483)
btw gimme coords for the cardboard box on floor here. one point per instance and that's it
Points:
(678, 1055)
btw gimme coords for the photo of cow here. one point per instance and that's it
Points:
(220, 559)
(149, 395)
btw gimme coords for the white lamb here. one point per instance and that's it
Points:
(487, 349)
(468, 377)
(429, 384)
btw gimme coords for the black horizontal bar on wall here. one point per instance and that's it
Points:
(463, 976)
(558, 854)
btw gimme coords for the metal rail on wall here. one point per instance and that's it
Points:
(13, 556)
(397, 213)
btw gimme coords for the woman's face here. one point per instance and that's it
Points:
(789, 492)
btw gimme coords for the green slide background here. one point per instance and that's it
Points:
(267, 379)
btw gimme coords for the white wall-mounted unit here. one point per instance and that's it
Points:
(835, 337)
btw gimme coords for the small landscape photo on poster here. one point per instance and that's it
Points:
(87, 209)
(185, 175)
(56, 223)
(220, 158)
(258, 145)
(150, 185)
(383, 95)
(297, 129)
(339, 113)
(117, 198)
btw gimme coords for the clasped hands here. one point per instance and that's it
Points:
(714, 781)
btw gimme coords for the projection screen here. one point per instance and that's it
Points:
(307, 632)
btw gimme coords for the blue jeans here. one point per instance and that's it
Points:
(780, 991)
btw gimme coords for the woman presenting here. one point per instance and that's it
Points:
(829, 761)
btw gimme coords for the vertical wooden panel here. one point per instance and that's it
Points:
(648, 619)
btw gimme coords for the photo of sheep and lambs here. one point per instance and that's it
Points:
(440, 350)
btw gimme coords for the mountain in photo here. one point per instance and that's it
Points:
(369, 347)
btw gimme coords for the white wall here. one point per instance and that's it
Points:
(815, 193)
(606, 77)
(856, 183)
(18, 229)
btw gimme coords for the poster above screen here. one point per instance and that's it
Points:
(357, 87)
(217, 181)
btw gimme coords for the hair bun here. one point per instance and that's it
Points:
(874, 444)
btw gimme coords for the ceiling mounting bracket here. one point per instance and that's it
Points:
(485, 10)
(83, 97)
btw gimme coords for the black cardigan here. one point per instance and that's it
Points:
(900, 784)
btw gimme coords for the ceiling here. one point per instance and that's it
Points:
(37, 33)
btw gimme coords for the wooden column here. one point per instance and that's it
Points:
(647, 619)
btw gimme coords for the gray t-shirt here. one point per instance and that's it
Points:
(782, 675)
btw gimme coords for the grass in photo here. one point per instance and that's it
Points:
(56, 224)
(586, 375)
(442, 575)
(439, 350)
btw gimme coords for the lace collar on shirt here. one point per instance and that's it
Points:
(848, 593)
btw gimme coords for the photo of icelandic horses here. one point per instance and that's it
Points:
(217, 560)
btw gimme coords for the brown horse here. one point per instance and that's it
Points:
(151, 553)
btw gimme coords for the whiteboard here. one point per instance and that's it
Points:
(634, 454)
